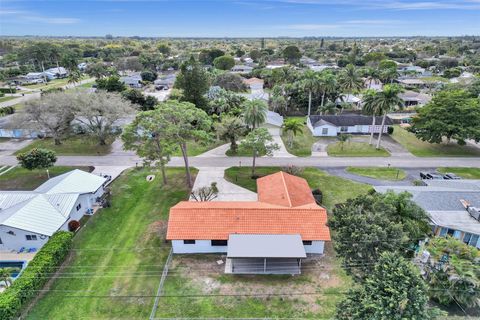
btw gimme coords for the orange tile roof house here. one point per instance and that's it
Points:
(270, 235)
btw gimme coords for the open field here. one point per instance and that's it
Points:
(378, 173)
(76, 145)
(119, 255)
(23, 179)
(355, 149)
(466, 173)
(421, 148)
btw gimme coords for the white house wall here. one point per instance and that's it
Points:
(334, 131)
(19, 240)
(204, 246)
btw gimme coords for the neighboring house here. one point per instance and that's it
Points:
(350, 99)
(56, 73)
(254, 83)
(411, 69)
(134, 81)
(412, 83)
(241, 69)
(34, 76)
(273, 123)
(82, 66)
(412, 98)
(29, 218)
(9, 129)
(332, 126)
(166, 82)
(321, 67)
(373, 84)
(267, 236)
(308, 61)
(452, 205)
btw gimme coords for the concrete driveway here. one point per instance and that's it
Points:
(226, 191)
(11, 146)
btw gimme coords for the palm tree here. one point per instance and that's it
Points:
(328, 84)
(350, 80)
(311, 83)
(373, 75)
(6, 275)
(370, 106)
(389, 75)
(255, 113)
(74, 77)
(342, 139)
(328, 108)
(230, 129)
(292, 126)
(387, 101)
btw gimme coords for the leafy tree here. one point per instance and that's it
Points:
(255, 55)
(451, 115)
(230, 81)
(184, 123)
(208, 56)
(292, 54)
(230, 129)
(311, 83)
(147, 136)
(111, 84)
(52, 114)
(205, 193)
(97, 112)
(239, 53)
(148, 75)
(387, 101)
(97, 70)
(37, 158)
(387, 64)
(224, 62)
(164, 49)
(452, 73)
(393, 290)
(194, 81)
(259, 141)
(255, 113)
(135, 96)
(225, 102)
(292, 127)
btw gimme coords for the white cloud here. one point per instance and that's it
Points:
(26, 16)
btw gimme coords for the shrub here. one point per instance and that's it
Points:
(390, 130)
(7, 111)
(8, 90)
(73, 225)
(293, 170)
(318, 195)
(53, 253)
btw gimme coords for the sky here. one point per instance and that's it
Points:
(240, 18)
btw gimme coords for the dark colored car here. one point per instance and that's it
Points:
(451, 176)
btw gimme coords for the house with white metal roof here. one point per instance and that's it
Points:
(29, 218)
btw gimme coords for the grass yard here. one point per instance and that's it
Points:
(421, 148)
(7, 98)
(200, 275)
(355, 149)
(23, 179)
(335, 189)
(242, 152)
(195, 148)
(378, 173)
(50, 84)
(302, 143)
(466, 173)
(77, 145)
(120, 252)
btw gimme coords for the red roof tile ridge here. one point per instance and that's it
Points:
(286, 188)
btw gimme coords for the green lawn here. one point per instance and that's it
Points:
(23, 179)
(421, 148)
(242, 152)
(77, 145)
(50, 84)
(121, 253)
(195, 148)
(302, 142)
(355, 149)
(378, 173)
(466, 173)
(335, 189)
(3, 99)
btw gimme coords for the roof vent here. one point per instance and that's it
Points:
(474, 212)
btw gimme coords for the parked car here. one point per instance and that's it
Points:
(431, 175)
(451, 176)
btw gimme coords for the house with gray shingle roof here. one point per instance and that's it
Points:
(331, 126)
(452, 205)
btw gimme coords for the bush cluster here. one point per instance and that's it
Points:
(52, 254)
(8, 90)
(7, 110)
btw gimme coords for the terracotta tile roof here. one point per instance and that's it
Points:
(285, 206)
(198, 221)
(284, 189)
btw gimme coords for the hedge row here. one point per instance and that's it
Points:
(46, 261)
(8, 90)
(7, 110)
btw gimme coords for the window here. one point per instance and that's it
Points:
(343, 129)
(324, 131)
(79, 206)
(443, 232)
(467, 237)
(307, 243)
(218, 243)
(188, 241)
(31, 237)
(450, 232)
(474, 240)
(1, 241)
(11, 233)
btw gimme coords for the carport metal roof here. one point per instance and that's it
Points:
(265, 246)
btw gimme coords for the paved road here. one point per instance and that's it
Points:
(322, 162)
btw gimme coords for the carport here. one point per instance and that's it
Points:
(264, 254)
